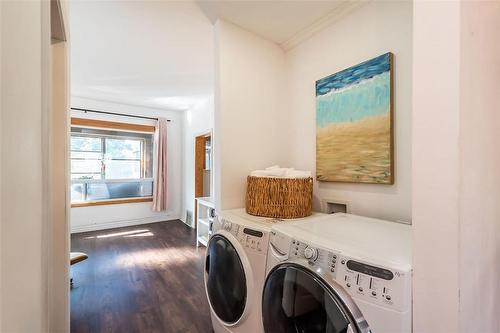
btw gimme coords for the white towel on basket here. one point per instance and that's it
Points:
(277, 172)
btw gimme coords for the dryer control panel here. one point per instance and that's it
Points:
(373, 283)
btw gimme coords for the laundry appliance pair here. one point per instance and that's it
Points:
(324, 273)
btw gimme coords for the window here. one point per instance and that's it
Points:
(108, 164)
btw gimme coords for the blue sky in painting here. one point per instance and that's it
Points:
(354, 74)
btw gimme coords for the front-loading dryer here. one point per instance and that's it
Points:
(235, 270)
(342, 273)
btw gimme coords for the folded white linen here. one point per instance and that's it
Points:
(269, 173)
(299, 174)
(277, 172)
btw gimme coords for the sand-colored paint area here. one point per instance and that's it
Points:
(355, 152)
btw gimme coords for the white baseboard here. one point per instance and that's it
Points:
(119, 224)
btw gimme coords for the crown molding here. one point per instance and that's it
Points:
(341, 11)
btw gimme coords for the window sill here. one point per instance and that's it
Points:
(111, 202)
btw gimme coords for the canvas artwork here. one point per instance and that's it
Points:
(354, 124)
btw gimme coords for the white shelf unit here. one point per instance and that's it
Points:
(204, 219)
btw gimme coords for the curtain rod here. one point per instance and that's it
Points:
(116, 114)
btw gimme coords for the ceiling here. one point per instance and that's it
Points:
(161, 53)
(148, 53)
(277, 20)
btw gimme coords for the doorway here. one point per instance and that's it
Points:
(202, 169)
(203, 165)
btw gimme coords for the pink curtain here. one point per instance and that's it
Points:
(160, 193)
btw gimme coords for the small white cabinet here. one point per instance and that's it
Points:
(205, 213)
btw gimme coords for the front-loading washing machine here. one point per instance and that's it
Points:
(235, 270)
(342, 273)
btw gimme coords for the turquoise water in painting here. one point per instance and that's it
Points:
(355, 93)
(366, 98)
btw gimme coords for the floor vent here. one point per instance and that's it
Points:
(189, 217)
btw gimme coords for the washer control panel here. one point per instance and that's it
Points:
(251, 239)
(316, 257)
(372, 283)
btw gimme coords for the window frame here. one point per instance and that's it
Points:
(119, 127)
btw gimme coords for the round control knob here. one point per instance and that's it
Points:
(228, 226)
(311, 253)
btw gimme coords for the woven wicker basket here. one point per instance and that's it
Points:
(279, 197)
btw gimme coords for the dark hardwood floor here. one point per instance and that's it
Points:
(146, 278)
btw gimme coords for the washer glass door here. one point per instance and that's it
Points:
(297, 300)
(226, 281)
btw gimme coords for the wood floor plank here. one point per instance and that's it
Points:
(146, 278)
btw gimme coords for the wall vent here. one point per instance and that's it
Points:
(332, 206)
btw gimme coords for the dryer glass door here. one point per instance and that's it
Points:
(226, 282)
(297, 300)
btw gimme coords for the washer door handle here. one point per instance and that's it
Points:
(207, 264)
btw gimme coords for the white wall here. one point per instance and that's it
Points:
(435, 166)
(24, 67)
(110, 216)
(479, 266)
(374, 29)
(197, 120)
(455, 167)
(250, 118)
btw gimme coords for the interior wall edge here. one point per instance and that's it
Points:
(58, 176)
(1, 155)
(258, 132)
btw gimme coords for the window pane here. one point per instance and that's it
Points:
(114, 190)
(97, 191)
(123, 149)
(80, 143)
(77, 192)
(86, 155)
(123, 169)
(148, 158)
(85, 166)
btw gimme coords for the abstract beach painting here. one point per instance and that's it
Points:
(354, 141)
